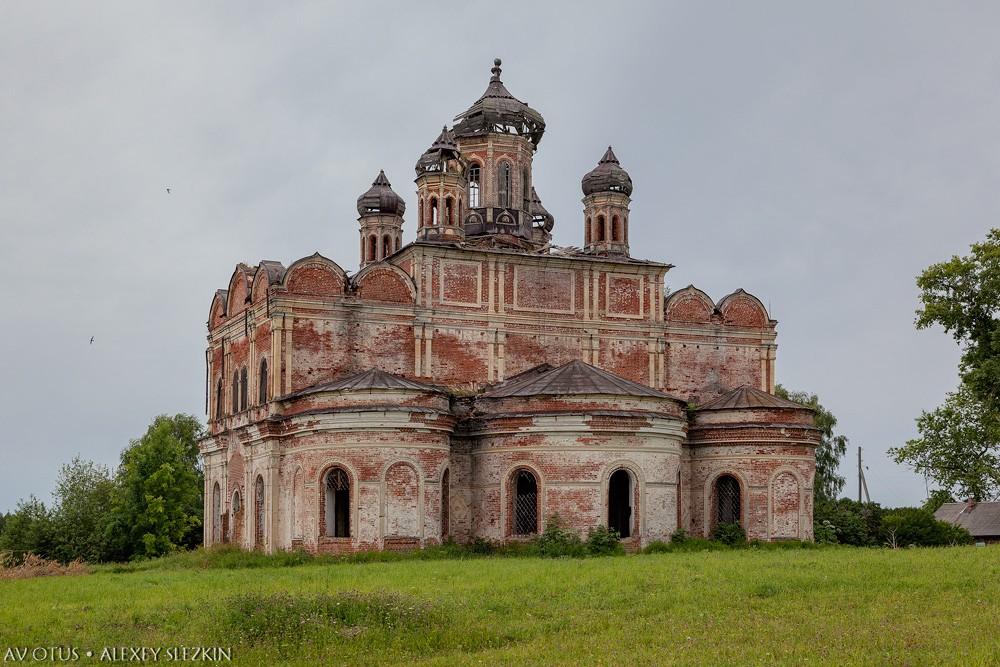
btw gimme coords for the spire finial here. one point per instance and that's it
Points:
(496, 70)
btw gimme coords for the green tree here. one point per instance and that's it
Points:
(937, 498)
(914, 526)
(28, 530)
(957, 447)
(157, 504)
(963, 296)
(828, 483)
(81, 511)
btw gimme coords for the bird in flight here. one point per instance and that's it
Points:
(168, 191)
(91, 340)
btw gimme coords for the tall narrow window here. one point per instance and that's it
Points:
(615, 229)
(386, 246)
(445, 504)
(258, 513)
(372, 243)
(216, 514)
(525, 200)
(243, 388)
(434, 211)
(236, 391)
(474, 186)
(620, 503)
(337, 503)
(262, 389)
(218, 399)
(503, 185)
(587, 232)
(525, 503)
(236, 518)
(727, 500)
(601, 231)
(449, 211)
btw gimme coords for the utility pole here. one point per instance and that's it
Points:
(861, 479)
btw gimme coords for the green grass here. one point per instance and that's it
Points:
(834, 606)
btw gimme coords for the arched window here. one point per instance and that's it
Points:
(398, 242)
(386, 246)
(243, 388)
(434, 211)
(445, 504)
(620, 503)
(587, 231)
(236, 391)
(449, 211)
(236, 518)
(503, 185)
(474, 186)
(601, 231)
(727, 500)
(420, 213)
(525, 200)
(615, 231)
(216, 514)
(262, 388)
(337, 503)
(372, 243)
(258, 513)
(218, 399)
(525, 505)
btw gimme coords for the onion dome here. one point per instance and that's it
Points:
(540, 218)
(499, 111)
(436, 157)
(608, 176)
(381, 199)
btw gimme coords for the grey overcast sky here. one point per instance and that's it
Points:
(817, 155)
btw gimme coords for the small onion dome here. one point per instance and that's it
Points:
(540, 218)
(436, 157)
(381, 199)
(499, 111)
(608, 176)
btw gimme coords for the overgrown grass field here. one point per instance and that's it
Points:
(832, 606)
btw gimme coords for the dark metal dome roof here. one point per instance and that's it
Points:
(380, 198)
(435, 157)
(608, 176)
(499, 111)
(540, 217)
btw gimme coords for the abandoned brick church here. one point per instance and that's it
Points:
(479, 380)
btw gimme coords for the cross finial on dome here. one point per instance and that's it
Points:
(496, 70)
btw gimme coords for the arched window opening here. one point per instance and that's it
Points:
(337, 503)
(474, 186)
(243, 388)
(216, 514)
(434, 211)
(262, 388)
(525, 200)
(218, 399)
(297, 505)
(445, 504)
(601, 231)
(236, 518)
(386, 246)
(420, 213)
(258, 513)
(587, 231)
(372, 243)
(525, 503)
(727, 500)
(620, 503)
(236, 391)
(615, 231)
(503, 185)
(449, 211)
(398, 243)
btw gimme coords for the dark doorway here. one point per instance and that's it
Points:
(525, 504)
(337, 500)
(259, 514)
(727, 499)
(620, 503)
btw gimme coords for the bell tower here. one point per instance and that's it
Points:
(606, 196)
(381, 221)
(442, 191)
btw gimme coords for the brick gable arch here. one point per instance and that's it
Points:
(689, 305)
(218, 310)
(239, 290)
(711, 504)
(384, 283)
(402, 501)
(785, 505)
(267, 274)
(741, 309)
(315, 275)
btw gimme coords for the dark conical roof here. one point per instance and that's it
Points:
(381, 198)
(499, 111)
(608, 176)
(575, 377)
(540, 217)
(442, 150)
(748, 397)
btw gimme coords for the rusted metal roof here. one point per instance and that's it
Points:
(436, 157)
(275, 270)
(365, 380)
(540, 217)
(748, 397)
(607, 176)
(575, 377)
(982, 519)
(381, 198)
(499, 111)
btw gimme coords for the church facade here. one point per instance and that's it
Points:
(479, 380)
